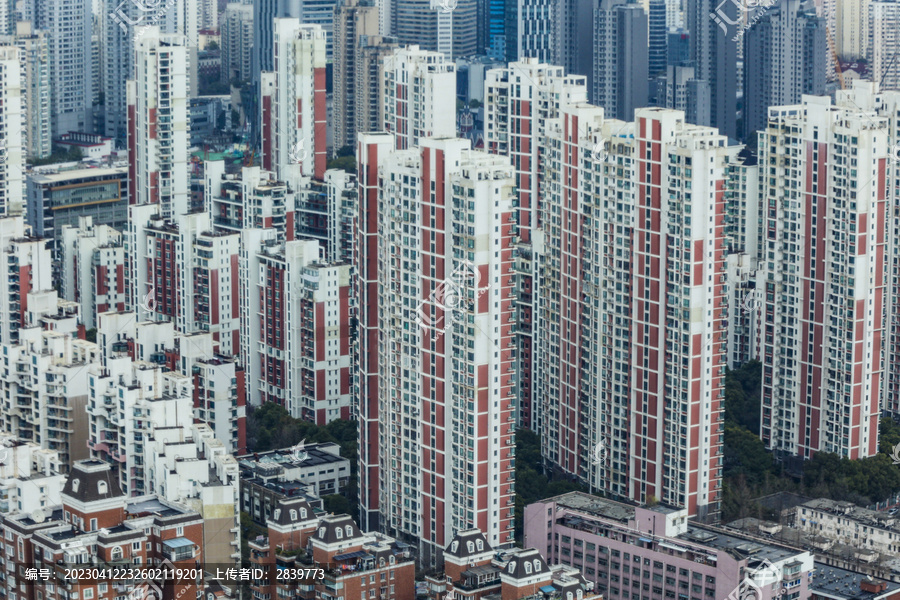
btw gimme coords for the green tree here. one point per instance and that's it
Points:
(337, 504)
(347, 163)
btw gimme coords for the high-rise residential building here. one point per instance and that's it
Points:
(436, 344)
(30, 476)
(43, 379)
(157, 123)
(237, 42)
(884, 43)
(251, 199)
(369, 73)
(92, 270)
(520, 100)
(714, 28)
(57, 198)
(68, 26)
(293, 111)
(673, 91)
(126, 23)
(534, 31)
(186, 273)
(446, 26)
(12, 141)
(142, 424)
(851, 22)
(673, 339)
(621, 62)
(826, 180)
(354, 21)
(298, 329)
(30, 270)
(96, 524)
(219, 384)
(35, 57)
(784, 58)
(419, 96)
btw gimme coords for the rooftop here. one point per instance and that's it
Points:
(840, 583)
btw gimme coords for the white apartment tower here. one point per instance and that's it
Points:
(851, 20)
(297, 328)
(419, 96)
(520, 101)
(158, 123)
(884, 43)
(69, 26)
(237, 42)
(653, 325)
(29, 268)
(12, 142)
(93, 269)
(824, 273)
(126, 24)
(186, 273)
(293, 104)
(434, 248)
(36, 91)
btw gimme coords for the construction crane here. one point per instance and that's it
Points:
(837, 59)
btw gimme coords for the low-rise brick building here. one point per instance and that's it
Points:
(349, 564)
(98, 527)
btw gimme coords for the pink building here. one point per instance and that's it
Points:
(655, 553)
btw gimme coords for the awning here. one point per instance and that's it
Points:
(672, 547)
(181, 542)
(645, 540)
(548, 589)
(350, 555)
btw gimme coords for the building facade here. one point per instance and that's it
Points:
(354, 21)
(293, 108)
(61, 198)
(419, 96)
(656, 552)
(157, 115)
(822, 375)
(436, 344)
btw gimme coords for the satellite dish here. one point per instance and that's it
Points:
(38, 516)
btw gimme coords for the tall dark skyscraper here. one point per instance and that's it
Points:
(714, 27)
(658, 38)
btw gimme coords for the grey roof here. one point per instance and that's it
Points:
(526, 563)
(328, 526)
(465, 544)
(290, 511)
(841, 583)
(90, 481)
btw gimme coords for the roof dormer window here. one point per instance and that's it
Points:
(349, 530)
(102, 487)
(75, 484)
